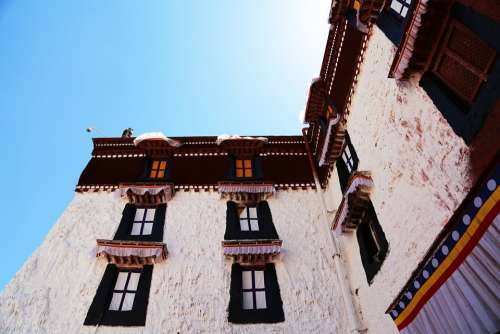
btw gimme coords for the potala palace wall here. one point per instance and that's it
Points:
(190, 290)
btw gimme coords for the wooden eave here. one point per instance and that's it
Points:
(242, 147)
(148, 196)
(426, 25)
(316, 101)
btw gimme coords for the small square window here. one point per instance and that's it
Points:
(124, 291)
(143, 221)
(248, 219)
(244, 168)
(400, 7)
(158, 168)
(253, 289)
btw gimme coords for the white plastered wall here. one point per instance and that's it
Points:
(420, 169)
(189, 292)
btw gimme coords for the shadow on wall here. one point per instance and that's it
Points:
(486, 146)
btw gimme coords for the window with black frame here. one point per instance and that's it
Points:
(373, 245)
(393, 19)
(347, 163)
(255, 295)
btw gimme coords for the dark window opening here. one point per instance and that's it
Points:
(373, 245)
(347, 163)
(249, 222)
(142, 223)
(255, 295)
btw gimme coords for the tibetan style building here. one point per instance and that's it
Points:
(382, 216)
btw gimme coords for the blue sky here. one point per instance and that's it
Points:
(180, 67)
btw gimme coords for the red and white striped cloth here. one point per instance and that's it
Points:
(252, 188)
(252, 249)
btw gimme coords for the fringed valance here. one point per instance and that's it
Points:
(354, 202)
(251, 250)
(455, 289)
(156, 136)
(337, 141)
(131, 252)
(146, 193)
(223, 138)
(246, 191)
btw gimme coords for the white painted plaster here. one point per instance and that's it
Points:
(420, 169)
(190, 290)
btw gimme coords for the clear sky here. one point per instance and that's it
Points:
(182, 67)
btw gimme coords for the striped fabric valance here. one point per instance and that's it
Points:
(162, 192)
(131, 252)
(240, 247)
(456, 288)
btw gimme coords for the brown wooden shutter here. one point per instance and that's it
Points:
(463, 61)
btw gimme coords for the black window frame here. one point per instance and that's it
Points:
(124, 230)
(253, 290)
(346, 169)
(149, 167)
(256, 168)
(125, 289)
(267, 230)
(373, 245)
(99, 313)
(143, 222)
(273, 313)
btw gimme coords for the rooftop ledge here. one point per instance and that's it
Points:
(131, 252)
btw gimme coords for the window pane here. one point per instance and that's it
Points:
(121, 280)
(152, 174)
(248, 164)
(248, 300)
(243, 213)
(239, 173)
(244, 225)
(163, 165)
(252, 212)
(128, 302)
(161, 174)
(133, 281)
(148, 229)
(260, 299)
(254, 225)
(139, 215)
(404, 11)
(259, 279)
(136, 229)
(150, 215)
(239, 163)
(115, 301)
(155, 165)
(247, 279)
(396, 5)
(248, 173)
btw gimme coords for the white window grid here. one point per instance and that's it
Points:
(254, 290)
(401, 7)
(124, 291)
(248, 219)
(143, 221)
(348, 158)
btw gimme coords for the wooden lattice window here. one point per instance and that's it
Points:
(463, 61)
(243, 168)
(158, 169)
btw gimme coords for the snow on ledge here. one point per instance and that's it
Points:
(156, 136)
(222, 138)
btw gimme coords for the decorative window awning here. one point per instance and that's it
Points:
(422, 31)
(241, 146)
(156, 144)
(252, 250)
(455, 288)
(246, 190)
(355, 201)
(146, 193)
(334, 141)
(131, 252)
